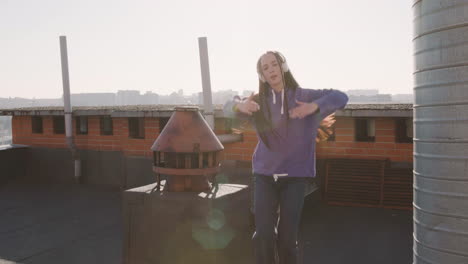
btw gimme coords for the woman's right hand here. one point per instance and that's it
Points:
(247, 106)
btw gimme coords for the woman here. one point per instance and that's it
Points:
(286, 118)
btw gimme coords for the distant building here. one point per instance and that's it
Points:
(173, 98)
(128, 97)
(403, 98)
(16, 102)
(92, 99)
(200, 98)
(150, 98)
(221, 97)
(370, 99)
(363, 92)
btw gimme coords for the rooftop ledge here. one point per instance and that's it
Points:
(351, 110)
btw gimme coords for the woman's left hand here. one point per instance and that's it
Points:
(303, 109)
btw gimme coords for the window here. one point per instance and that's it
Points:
(36, 124)
(364, 129)
(162, 123)
(136, 127)
(82, 125)
(332, 136)
(228, 122)
(59, 124)
(106, 125)
(232, 125)
(404, 130)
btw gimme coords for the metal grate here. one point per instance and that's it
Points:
(359, 182)
(354, 182)
(398, 188)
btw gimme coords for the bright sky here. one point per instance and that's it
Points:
(150, 45)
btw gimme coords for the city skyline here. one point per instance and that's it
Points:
(368, 91)
(135, 97)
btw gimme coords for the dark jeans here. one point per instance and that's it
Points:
(288, 194)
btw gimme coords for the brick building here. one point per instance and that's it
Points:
(115, 142)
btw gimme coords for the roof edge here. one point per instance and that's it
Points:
(351, 110)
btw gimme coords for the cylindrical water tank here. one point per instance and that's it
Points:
(440, 131)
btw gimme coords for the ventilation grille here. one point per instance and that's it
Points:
(398, 188)
(358, 182)
(353, 182)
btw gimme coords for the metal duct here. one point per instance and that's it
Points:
(441, 131)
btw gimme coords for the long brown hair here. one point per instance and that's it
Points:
(262, 118)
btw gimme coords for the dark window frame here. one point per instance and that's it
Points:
(162, 123)
(106, 129)
(400, 131)
(136, 127)
(58, 125)
(332, 137)
(361, 130)
(37, 125)
(78, 125)
(228, 125)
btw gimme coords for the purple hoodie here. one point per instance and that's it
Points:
(292, 149)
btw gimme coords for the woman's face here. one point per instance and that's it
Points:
(271, 69)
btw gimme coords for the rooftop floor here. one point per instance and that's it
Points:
(82, 224)
(337, 235)
(59, 224)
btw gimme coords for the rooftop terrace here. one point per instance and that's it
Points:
(83, 224)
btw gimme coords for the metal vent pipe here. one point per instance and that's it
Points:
(440, 131)
(206, 81)
(68, 108)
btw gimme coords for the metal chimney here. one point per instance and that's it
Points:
(441, 131)
(187, 152)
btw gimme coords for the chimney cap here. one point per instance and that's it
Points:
(187, 132)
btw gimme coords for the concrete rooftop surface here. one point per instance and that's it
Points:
(59, 224)
(83, 224)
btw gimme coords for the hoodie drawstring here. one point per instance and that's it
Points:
(282, 99)
(282, 102)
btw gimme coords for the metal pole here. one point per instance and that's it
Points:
(67, 107)
(206, 82)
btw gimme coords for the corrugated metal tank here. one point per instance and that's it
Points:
(441, 131)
